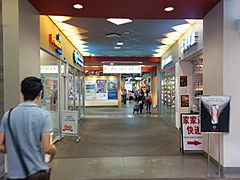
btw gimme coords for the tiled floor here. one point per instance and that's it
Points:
(116, 144)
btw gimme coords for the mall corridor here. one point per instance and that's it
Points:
(116, 144)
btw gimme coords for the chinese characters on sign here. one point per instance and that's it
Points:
(191, 132)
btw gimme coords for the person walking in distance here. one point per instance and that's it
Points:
(148, 101)
(25, 133)
(141, 100)
(125, 96)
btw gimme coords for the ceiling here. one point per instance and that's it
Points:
(141, 38)
(135, 9)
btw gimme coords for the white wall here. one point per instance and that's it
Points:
(10, 52)
(221, 71)
(21, 42)
(29, 31)
(231, 85)
(183, 69)
(213, 61)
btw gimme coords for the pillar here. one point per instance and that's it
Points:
(19, 51)
(221, 51)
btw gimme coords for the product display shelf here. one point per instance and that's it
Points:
(197, 81)
(168, 91)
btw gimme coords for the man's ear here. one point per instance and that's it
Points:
(39, 95)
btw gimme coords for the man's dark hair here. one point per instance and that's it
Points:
(31, 87)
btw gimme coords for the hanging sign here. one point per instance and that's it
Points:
(215, 112)
(56, 42)
(192, 138)
(69, 122)
(122, 69)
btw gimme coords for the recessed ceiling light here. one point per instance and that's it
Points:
(77, 6)
(119, 43)
(119, 21)
(117, 47)
(140, 62)
(168, 9)
(126, 32)
(111, 64)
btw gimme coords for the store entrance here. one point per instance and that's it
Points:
(62, 93)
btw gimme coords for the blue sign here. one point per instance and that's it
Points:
(112, 95)
(77, 58)
(112, 89)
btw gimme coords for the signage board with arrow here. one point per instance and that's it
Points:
(192, 138)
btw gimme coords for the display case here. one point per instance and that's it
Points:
(197, 82)
(168, 91)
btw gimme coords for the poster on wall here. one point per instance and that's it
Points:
(70, 91)
(192, 138)
(69, 122)
(112, 89)
(183, 81)
(184, 100)
(215, 112)
(90, 89)
(101, 89)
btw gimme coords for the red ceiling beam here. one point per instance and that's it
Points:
(90, 59)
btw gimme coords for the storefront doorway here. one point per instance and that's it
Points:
(63, 84)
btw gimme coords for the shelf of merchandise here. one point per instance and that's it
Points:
(168, 91)
(197, 81)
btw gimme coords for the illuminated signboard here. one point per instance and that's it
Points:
(189, 42)
(166, 61)
(121, 69)
(56, 42)
(50, 69)
(77, 58)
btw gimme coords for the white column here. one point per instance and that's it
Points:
(21, 47)
(221, 73)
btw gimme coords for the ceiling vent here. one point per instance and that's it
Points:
(112, 35)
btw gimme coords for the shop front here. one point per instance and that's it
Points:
(168, 78)
(63, 78)
(189, 68)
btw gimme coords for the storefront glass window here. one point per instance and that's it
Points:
(72, 90)
(49, 77)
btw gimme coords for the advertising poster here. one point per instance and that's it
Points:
(101, 89)
(69, 122)
(215, 112)
(112, 89)
(90, 90)
(70, 92)
(184, 100)
(192, 138)
(183, 81)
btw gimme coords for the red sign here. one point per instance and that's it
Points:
(195, 143)
(55, 42)
(191, 132)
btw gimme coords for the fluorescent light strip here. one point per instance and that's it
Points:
(119, 21)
